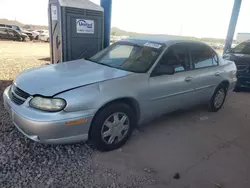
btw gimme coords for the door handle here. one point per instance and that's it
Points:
(217, 74)
(188, 79)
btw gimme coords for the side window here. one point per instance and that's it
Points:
(215, 58)
(203, 56)
(3, 31)
(177, 57)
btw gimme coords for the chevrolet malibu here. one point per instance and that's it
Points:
(127, 84)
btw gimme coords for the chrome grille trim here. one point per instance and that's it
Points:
(17, 95)
(20, 92)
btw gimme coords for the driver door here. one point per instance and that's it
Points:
(171, 92)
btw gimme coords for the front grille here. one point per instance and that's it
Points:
(17, 95)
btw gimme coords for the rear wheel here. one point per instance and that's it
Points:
(112, 127)
(218, 98)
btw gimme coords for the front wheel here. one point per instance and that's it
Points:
(112, 127)
(218, 98)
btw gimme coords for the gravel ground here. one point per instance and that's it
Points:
(24, 163)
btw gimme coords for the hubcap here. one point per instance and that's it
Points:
(219, 98)
(115, 128)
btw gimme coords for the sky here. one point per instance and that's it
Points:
(198, 18)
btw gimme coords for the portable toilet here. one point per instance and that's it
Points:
(76, 29)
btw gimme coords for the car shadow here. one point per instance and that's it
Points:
(4, 84)
(160, 121)
(242, 90)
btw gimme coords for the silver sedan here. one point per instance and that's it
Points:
(105, 97)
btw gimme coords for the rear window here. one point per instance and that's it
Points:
(203, 56)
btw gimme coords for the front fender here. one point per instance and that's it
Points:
(82, 98)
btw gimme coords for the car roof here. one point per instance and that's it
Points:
(161, 40)
(6, 28)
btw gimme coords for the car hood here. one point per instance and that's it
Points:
(35, 32)
(48, 80)
(27, 32)
(23, 34)
(239, 58)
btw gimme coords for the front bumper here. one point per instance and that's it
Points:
(47, 127)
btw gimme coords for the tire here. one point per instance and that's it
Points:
(213, 106)
(97, 138)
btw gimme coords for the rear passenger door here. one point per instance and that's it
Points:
(205, 70)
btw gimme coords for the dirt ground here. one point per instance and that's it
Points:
(188, 149)
(17, 56)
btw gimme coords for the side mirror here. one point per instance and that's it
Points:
(161, 70)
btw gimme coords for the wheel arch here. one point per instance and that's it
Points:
(225, 83)
(133, 104)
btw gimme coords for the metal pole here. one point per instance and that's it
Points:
(107, 5)
(232, 24)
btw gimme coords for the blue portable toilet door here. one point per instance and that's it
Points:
(84, 38)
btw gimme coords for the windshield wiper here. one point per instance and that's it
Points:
(99, 62)
(91, 60)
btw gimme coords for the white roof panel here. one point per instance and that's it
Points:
(82, 4)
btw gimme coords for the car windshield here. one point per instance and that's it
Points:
(242, 48)
(129, 57)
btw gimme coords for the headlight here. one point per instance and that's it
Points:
(48, 104)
